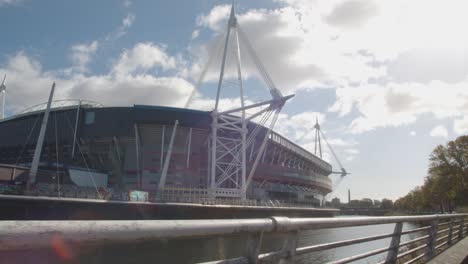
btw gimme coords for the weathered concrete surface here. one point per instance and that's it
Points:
(456, 254)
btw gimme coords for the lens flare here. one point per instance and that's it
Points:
(60, 248)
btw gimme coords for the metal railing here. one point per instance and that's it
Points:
(436, 233)
(275, 137)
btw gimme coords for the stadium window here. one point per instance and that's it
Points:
(89, 118)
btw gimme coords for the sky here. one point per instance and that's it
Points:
(387, 79)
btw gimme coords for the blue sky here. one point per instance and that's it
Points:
(386, 78)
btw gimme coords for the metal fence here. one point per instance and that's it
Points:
(436, 233)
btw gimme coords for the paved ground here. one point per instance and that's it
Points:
(456, 254)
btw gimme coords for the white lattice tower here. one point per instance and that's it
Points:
(228, 139)
(230, 136)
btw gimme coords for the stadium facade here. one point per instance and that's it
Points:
(126, 148)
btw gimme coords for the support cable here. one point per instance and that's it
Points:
(85, 162)
(262, 147)
(201, 78)
(57, 156)
(27, 140)
(250, 139)
(333, 152)
(275, 93)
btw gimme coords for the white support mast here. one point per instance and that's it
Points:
(318, 136)
(40, 141)
(167, 160)
(317, 139)
(230, 136)
(228, 168)
(3, 94)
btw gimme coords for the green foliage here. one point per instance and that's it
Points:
(446, 184)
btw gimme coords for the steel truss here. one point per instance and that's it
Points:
(230, 134)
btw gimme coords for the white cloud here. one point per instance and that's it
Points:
(127, 3)
(195, 34)
(352, 14)
(368, 50)
(439, 131)
(143, 57)
(81, 55)
(460, 126)
(299, 127)
(212, 20)
(352, 151)
(294, 56)
(126, 83)
(136, 89)
(128, 21)
(338, 142)
(400, 104)
(9, 2)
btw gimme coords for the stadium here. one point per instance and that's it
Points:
(124, 148)
(80, 148)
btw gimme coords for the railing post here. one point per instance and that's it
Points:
(460, 229)
(449, 238)
(290, 246)
(282, 224)
(432, 239)
(394, 244)
(254, 244)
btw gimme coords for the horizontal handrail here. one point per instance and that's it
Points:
(325, 246)
(425, 228)
(443, 231)
(411, 251)
(441, 238)
(360, 256)
(413, 241)
(441, 245)
(319, 223)
(448, 223)
(415, 259)
(34, 234)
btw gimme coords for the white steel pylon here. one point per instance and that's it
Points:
(3, 94)
(317, 139)
(318, 135)
(230, 135)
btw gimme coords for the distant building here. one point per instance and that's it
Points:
(377, 203)
(335, 202)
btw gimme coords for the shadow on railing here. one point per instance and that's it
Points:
(437, 233)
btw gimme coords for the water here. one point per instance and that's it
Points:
(199, 250)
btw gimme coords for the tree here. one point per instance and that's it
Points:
(448, 173)
(446, 185)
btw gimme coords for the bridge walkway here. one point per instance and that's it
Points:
(455, 254)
